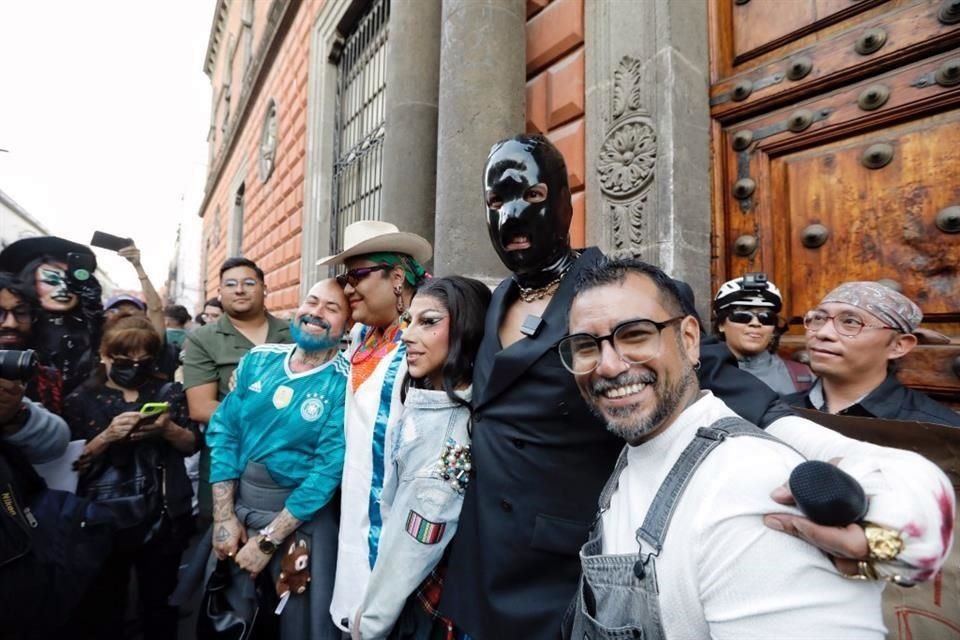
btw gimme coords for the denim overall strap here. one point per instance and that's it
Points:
(655, 524)
(613, 481)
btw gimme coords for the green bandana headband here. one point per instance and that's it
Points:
(413, 270)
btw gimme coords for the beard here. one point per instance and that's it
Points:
(311, 342)
(627, 422)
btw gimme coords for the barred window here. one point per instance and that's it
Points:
(359, 122)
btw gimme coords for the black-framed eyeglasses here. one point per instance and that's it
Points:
(766, 317)
(20, 314)
(634, 341)
(354, 276)
(846, 323)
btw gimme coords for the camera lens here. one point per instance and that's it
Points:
(18, 365)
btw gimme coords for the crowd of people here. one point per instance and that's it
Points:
(569, 455)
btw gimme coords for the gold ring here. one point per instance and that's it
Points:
(866, 570)
(884, 544)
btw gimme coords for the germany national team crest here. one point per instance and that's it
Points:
(282, 396)
(312, 408)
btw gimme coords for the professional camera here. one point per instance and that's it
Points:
(80, 267)
(18, 365)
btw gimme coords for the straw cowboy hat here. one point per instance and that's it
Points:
(372, 236)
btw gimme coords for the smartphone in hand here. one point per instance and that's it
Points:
(109, 241)
(149, 413)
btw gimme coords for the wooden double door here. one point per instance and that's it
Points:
(836, 135)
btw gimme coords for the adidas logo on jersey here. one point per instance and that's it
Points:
(256, 387)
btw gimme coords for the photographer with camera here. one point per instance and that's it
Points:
(17, 312)
(59, 273)
(39, 434)
(29, 537)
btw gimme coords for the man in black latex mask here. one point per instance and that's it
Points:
(529, 211)
(541, 456)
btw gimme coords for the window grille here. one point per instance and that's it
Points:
(359, 123)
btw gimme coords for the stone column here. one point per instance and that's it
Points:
(482, 96)
(410, 145)
(648, 134)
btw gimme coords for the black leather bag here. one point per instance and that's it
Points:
(131, 482)
(130, 479)
(236, 612)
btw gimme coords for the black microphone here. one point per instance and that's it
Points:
(827, 495)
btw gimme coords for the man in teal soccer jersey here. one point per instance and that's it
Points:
(277, 449)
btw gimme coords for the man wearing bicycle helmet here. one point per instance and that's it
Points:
(746, 311)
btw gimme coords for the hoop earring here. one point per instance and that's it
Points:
(696, 366)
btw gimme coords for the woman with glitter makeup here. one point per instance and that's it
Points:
(431, 460)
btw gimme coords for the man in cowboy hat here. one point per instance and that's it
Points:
(384, 267)
(59, 273)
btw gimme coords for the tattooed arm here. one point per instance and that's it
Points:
(283, 525)
(251, 558)
(228, 532)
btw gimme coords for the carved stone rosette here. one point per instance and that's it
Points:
(627, 158)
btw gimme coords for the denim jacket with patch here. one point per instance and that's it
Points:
(424, 499)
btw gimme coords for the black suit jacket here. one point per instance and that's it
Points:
(540, 459)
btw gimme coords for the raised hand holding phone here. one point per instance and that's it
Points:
(109, 241)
